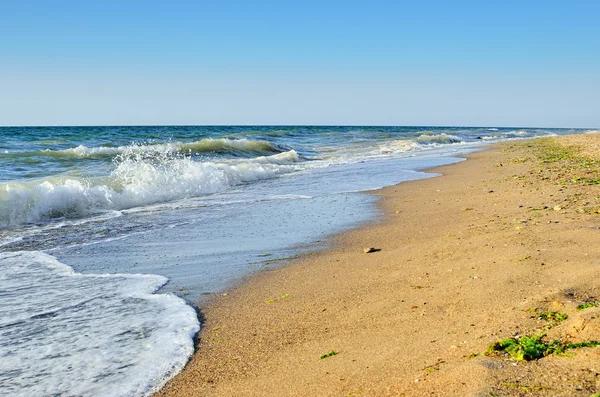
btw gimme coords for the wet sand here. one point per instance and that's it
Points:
(465, 259)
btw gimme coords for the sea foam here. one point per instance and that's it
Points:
(442, 138)
(241, 146)
(137, 180)
(85, 334)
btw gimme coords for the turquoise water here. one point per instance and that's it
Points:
(110, 231)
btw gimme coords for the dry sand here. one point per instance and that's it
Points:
(466, 259)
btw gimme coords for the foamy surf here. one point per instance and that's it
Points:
(439, 138)
(70, 334)
(241, 146)
(136, 181)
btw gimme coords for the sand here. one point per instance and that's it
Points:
(466, 259)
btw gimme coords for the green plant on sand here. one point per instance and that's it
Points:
(554, 317)
(564, 164)
(533, 347)
(587, 305)
(331, 353)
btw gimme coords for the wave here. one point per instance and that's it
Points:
(517, 134)
(136, 181)
(399, 146)
(281, 158)
(425, 141)
(442, 138)
(241, 147)
(119, 334)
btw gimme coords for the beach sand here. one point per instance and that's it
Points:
(466, 259)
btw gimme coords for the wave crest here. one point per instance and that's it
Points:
(136, 181)
(442, 138)
(399, 146)
(240, 147)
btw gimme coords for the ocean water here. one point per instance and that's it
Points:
(109, 235)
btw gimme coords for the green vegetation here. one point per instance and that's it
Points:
(284, 296)
(528, 348)
(581, 344)
(525, 348)
(551, 152)
(524, 387)
(586, 181)
(533, 347)
(554, 317)
(587, 305)
(563, 164)
(331, 353)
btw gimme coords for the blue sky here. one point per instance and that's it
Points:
(525, 63)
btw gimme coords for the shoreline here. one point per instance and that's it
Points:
(462, 261)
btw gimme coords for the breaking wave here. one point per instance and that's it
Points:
(136, 181)
(399, 146)
(241, 147)
(424, 141)
(439, 139)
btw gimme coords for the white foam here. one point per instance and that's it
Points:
(203, 145)
(136, 181)
(84, 151)
(442, 138)
(289, 197)
(288, 157)
(64, 333)
(399, 146)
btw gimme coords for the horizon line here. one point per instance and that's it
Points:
(286, 125)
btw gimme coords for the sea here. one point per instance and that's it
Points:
(112, 237)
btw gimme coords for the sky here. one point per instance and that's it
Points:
(451, 63)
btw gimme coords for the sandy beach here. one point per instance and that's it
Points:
(486, 252)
